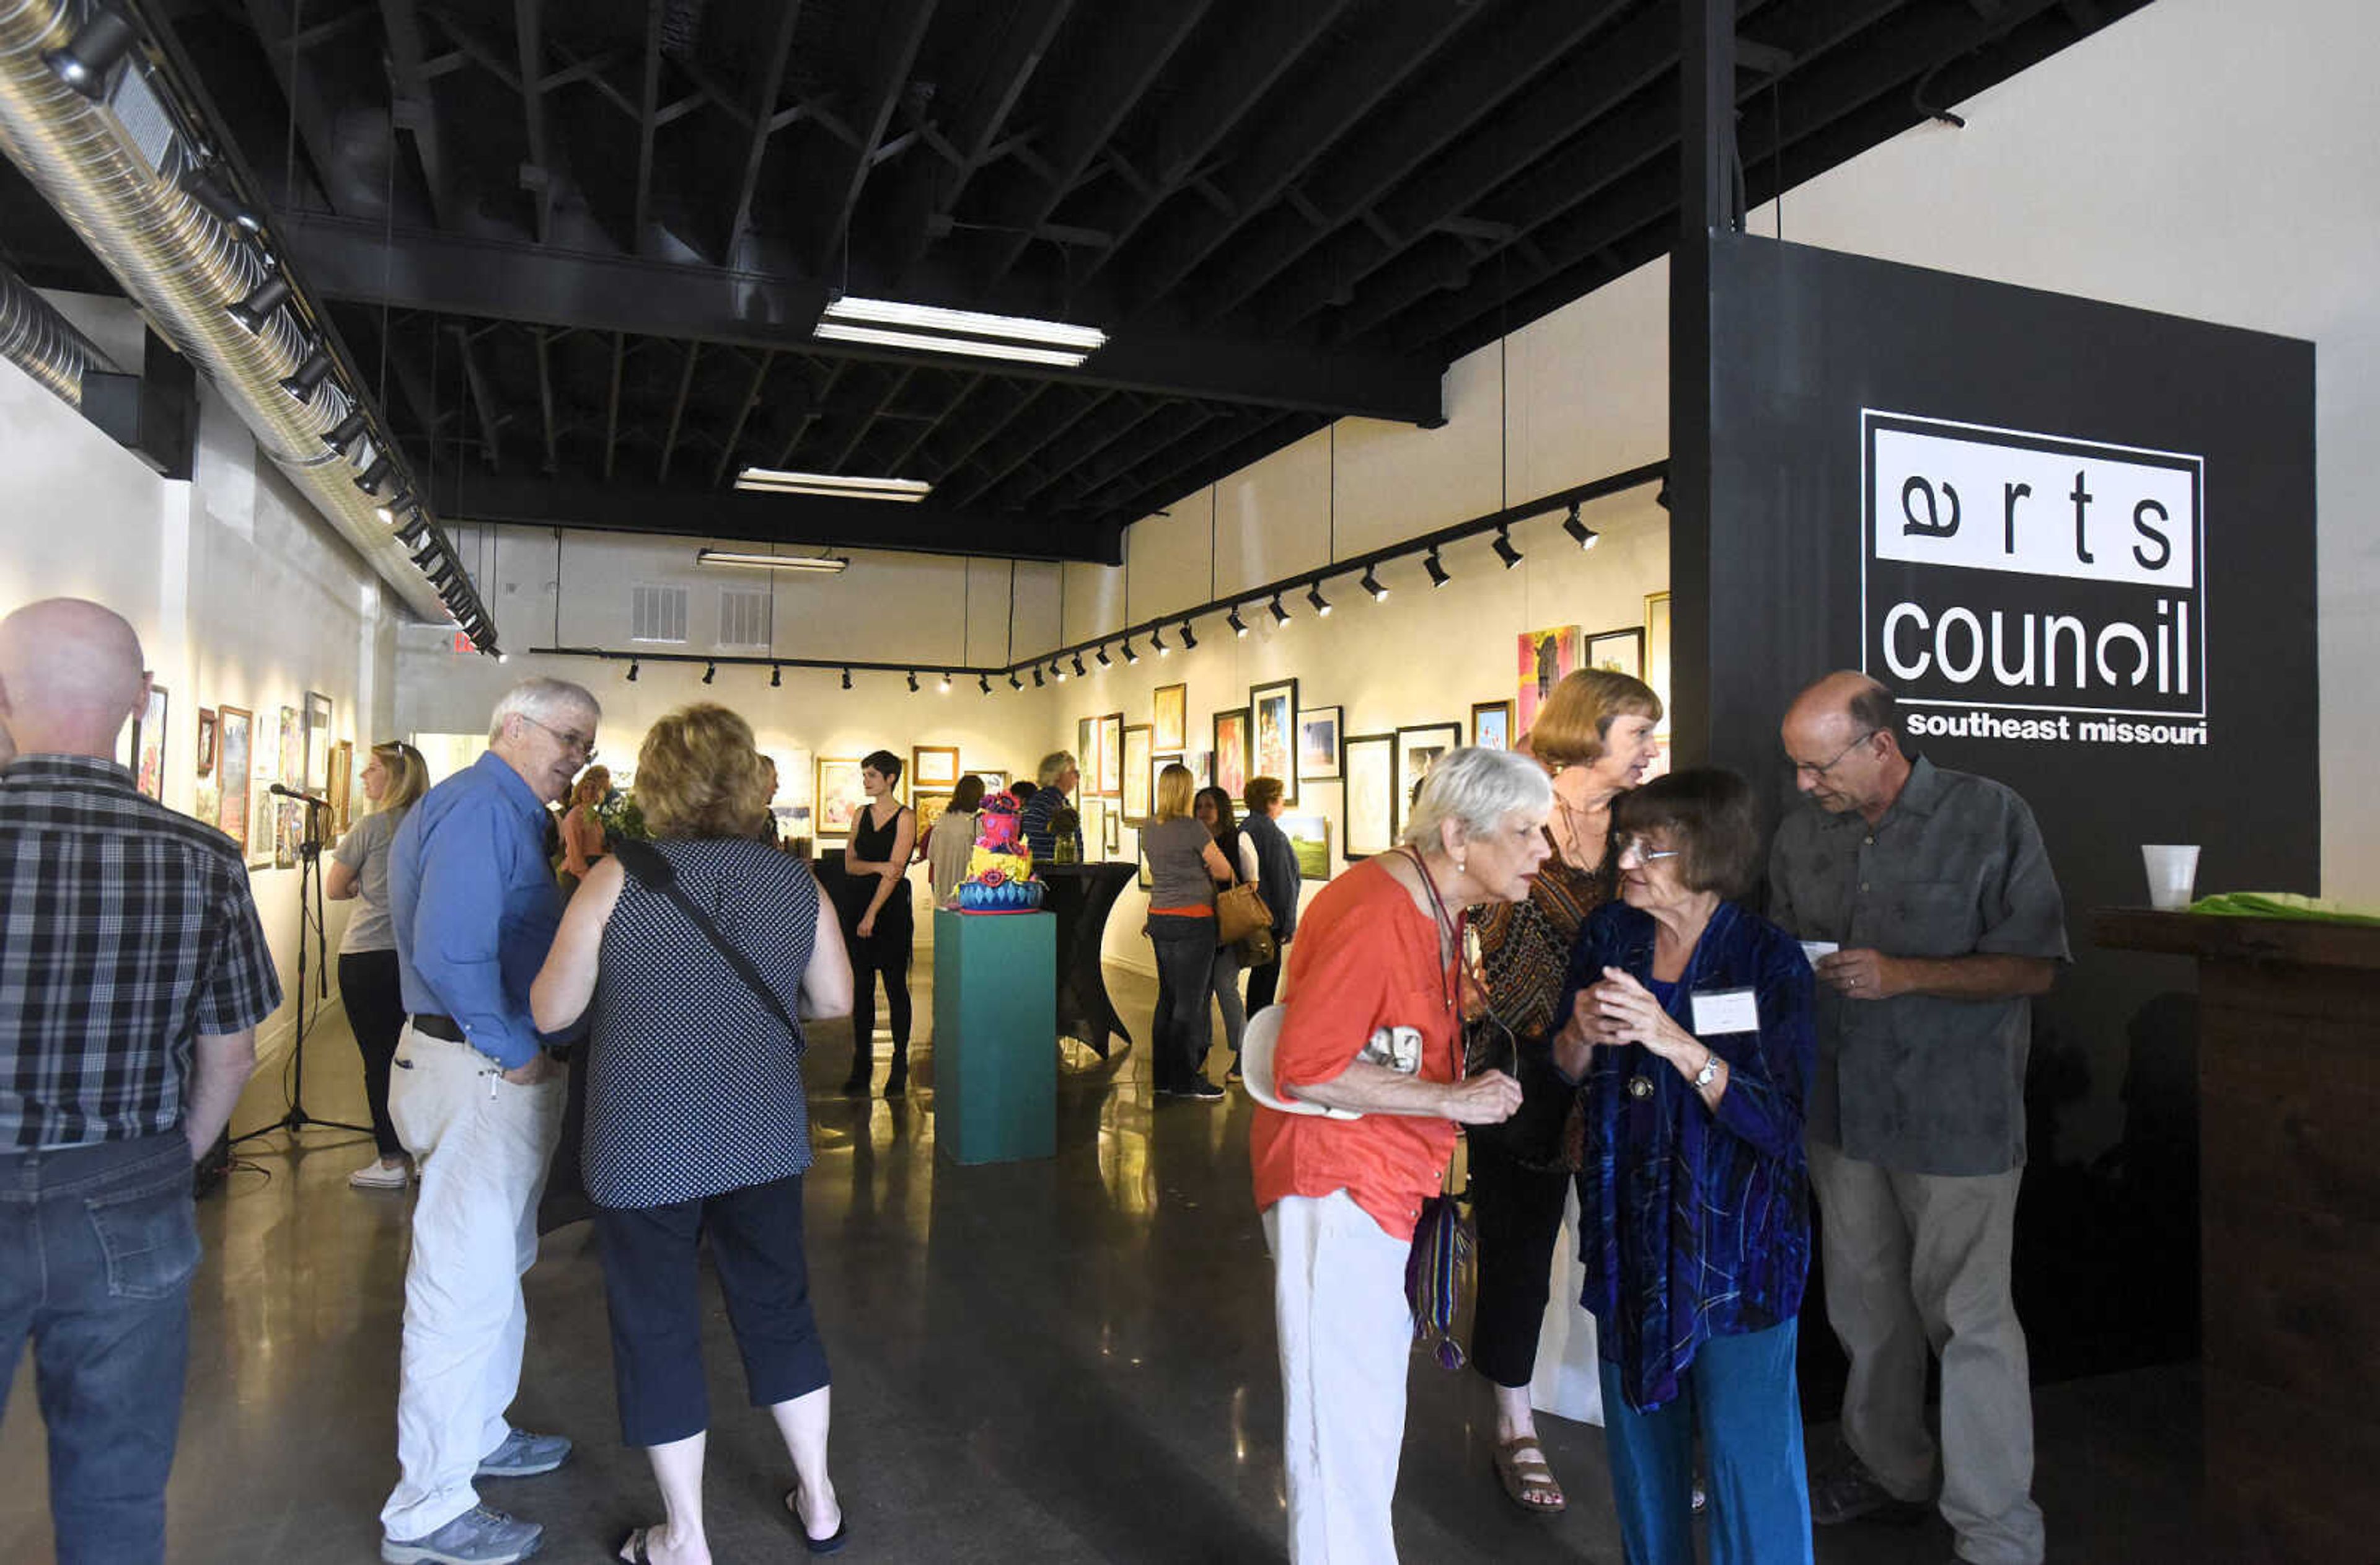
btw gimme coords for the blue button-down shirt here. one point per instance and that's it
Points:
(475, 905)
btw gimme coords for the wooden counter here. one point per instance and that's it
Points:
(2288, 1071)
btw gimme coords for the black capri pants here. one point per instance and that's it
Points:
(652, 1283)
(1517, 1212)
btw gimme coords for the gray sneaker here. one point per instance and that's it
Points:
(524, 1455)
(479, 1536)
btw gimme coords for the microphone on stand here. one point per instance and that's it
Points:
(286, 791)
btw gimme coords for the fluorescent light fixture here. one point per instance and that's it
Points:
(973, 347)
(775, 481)
(969, 322)
(829, 564)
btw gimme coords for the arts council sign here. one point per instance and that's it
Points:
(2029, 587)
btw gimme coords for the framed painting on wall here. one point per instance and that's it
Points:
(206, 802)
(1309, 838)
(1546, 657)
(932, 767)
(1491, 724)
(930, 808)
(1231, 772)
(1110, 840)
(289, 832)
(1272, 734)
(994, 780)
(1091, 817)
(1111, 756)
(206, 756)
(1419, 746)
(148, 745)
(1318, 744)
(1139, 783)
(317, 752)
(234, 744)
(1172, 724)
(1622, 651)
(263, 822)
(339, 789)
(1371, 795)
(1656, 651)
(290, 750)
(1087, 753)
(840, 797)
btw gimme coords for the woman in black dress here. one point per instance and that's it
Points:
(877, 925)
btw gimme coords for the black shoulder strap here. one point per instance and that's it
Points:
(657, 874)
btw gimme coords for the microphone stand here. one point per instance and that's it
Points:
(310, 920)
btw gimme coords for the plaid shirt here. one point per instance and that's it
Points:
(125, 930)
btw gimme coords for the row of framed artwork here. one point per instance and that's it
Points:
(267, 829)
(933, 770)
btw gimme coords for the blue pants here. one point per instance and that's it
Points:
(652, 1283)
(97, 1245)
(1185, 974)
(1740, 1394)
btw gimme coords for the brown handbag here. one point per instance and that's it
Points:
(1239, 911)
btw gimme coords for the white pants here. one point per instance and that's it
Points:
(1346, 1337)
(483, 1143)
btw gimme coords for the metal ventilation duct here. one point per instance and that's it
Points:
(43, 343)
(119, 170)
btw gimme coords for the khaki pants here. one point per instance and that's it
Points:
(1917, 1263)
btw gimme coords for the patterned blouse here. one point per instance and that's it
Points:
(1524, 949)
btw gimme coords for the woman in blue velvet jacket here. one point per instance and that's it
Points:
(1688, 1026)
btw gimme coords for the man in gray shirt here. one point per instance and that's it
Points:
(1935, 889)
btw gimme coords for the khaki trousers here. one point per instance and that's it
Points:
(1919, 1263)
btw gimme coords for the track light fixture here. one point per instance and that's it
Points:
(632, 667)
(344, 433)
(1157, 639)
(202, 185)
(846, 679)
(1037, 683)
(1585, 537)
(1371, 584)
(1321, 605)
(1129, 655)
(1059, 668)
(776, 677)
(1239, 626)
(1105, 661)
(709, 673)
(397, 503)
(1662, 495)
(1437, 573)
(1504, 550)
(371, 477)
(913, 682)
(1189, 642)
(94, 50)
(945, 685)
(1279, 614)
(1014, 683)
(301, 383)
(258, 308)
(1078, 666)
(983, 682)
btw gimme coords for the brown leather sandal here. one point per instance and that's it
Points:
(1529, 1483)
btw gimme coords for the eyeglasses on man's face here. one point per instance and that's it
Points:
(570, 738)
(1819, 769)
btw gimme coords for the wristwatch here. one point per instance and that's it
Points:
(1709, 1072)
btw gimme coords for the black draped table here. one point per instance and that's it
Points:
(1082, 895)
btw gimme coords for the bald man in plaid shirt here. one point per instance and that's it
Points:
(133, 974)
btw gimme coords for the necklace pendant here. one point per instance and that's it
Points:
(1640, 1087)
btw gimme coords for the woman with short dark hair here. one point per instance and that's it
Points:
(1688, 1021)
(879, 925)
(697, 1120)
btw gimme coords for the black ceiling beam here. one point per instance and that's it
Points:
(999, 422)
(1230, 83)
(647, 113)
(1490, 66)
(509, 281)
(1033, 443)
(540, 173)
(1118, 418)
(744, 515)
(898, 466)
(490, 416)
(1272, 434)
(677, 408)
(545, 400)
(743, 416)
(415, 106)
(1375, 64)
(1191, 452)
(812, 412)
(611, 403)
(300, 82)
(891, 33)
(1135, 40)
(1165, 430)
(922, 191)
(866, 426)
(777, 54)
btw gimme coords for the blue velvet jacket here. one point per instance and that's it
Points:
(1697, 1224)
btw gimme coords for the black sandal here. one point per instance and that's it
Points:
(633, 1548)
(834, 1542)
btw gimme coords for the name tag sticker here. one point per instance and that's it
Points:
(1813, 950)
(1717, 1011)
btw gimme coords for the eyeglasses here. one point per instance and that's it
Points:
(571, 738)
(1817, 769)
(1631, 848)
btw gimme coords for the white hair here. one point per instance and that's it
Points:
(543, 701)
(1476, 789)
(1055, 765)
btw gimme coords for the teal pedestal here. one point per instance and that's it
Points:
(995, 1036)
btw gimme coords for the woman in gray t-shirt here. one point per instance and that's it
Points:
(393, 780)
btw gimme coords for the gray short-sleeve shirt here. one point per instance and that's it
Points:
(365, 850)
(1920, 1083)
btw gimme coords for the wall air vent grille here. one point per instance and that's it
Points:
(658, 614)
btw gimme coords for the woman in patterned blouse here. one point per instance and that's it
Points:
(1594, 734)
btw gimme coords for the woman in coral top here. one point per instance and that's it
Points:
(1372, 1027)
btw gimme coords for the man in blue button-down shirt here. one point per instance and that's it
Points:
(479, 1102)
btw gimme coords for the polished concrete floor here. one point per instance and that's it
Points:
(1069, 1360)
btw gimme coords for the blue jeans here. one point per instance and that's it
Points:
(1186, 971)
(1741, 1392)
(97, 1245)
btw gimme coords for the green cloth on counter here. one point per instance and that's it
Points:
(2281, 904)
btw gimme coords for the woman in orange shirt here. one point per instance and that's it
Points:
(1373, 1029)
